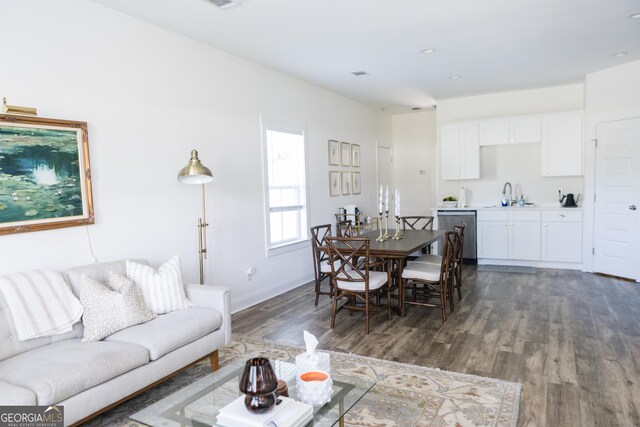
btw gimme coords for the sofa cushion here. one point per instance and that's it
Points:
(170, 331)
(13, 395)
(99, 271)
(162, 289)
(60, 370)
(111, 307)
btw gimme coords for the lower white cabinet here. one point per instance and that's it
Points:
(509, 235)
(562, 236)
(530, 235)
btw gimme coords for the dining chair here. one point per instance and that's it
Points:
(458, 259)
(354, 281)
(321, 267)
(420, 222)
(344, 228)
(430, 281)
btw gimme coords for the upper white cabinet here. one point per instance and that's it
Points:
(513, 130)
(562, 142)
(459, 150)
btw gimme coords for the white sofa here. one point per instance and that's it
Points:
(90, 377)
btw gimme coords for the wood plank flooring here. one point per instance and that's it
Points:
(572, 339)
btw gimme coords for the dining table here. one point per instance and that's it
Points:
(397, 250)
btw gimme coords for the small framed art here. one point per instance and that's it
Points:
(355, 155)
(334, 183)
(334, 153)
(345, 154)
(355, 182)
(346, 183)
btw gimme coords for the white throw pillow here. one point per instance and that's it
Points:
(111, 307)
(162, 290)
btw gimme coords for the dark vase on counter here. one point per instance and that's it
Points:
(259, 383)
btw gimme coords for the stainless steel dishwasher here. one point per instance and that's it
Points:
(448, 218)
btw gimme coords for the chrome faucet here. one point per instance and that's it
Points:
(504, 192)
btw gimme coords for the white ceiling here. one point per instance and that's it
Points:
(494, 45)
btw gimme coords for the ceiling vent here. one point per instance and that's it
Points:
(224, 4)
(360, 73)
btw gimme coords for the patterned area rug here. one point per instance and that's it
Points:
(404, 395)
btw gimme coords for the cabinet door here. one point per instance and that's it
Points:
(524, 240)
(450, 150)
(562, 144)
(493, 239)
(493, 132)
(469, 151)
(562, 241)
(525, 129)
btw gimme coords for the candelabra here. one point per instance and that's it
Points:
(381, 237)
(386, 225)
(399, 235)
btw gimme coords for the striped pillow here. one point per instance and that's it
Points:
(162, 290)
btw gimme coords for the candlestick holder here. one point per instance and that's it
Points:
(399, 235)
(380, 238)
(386, 225)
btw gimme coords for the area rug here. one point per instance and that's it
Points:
(404, 395)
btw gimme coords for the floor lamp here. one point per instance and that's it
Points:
(196, 173)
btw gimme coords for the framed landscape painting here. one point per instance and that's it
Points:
(45, 179)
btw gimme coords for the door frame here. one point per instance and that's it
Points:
(588, 205)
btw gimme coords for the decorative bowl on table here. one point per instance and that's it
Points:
(450, 204)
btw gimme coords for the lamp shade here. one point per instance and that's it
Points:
(195, 172)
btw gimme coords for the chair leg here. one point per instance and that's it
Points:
(443, 305)
(459, 282)
(333, 312)
(366, 315)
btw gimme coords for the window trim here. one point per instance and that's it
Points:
(270, 124)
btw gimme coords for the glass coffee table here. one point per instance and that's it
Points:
(198, 403)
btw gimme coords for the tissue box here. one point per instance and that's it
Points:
(316, 361)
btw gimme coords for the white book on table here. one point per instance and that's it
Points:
(289, 413)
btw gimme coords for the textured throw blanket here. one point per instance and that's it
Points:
(40, 303)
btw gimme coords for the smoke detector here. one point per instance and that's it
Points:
(225, 4)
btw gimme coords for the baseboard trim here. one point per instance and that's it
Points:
(264, 294)
(537, 264)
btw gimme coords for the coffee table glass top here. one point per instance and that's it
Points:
(198, 403)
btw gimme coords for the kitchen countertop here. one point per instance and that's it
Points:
(507, 208)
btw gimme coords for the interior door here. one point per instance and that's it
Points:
(385, 173)
(617, 230)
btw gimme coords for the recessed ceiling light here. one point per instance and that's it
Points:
(427, 51)
(635, 15)
(454, 77)
(619, 54)
(360, 73)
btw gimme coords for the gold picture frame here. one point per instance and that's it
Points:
(45, 176)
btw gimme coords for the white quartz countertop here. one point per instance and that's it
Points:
(507, 208)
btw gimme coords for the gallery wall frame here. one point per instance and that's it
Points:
(334, 153)
(334, 183)
(345, 154)
(355, 155)
(345, 183)
(45, 175)
(355, 183)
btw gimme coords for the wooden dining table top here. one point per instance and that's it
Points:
(411, 242)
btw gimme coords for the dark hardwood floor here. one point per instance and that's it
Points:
(572, 339)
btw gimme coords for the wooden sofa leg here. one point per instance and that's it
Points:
(213, 357)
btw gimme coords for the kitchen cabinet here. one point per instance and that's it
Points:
(512, 130)
(562, 144)
(459, 150)
(509, 235)
(562, 236)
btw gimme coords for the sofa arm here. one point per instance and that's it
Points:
(215, 297)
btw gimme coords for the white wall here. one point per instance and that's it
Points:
(519, 164)
(611, 94)
(150, 96)
(414, 150)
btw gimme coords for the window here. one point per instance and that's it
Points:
(284, 148)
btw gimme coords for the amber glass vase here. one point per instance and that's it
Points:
(259, 383)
